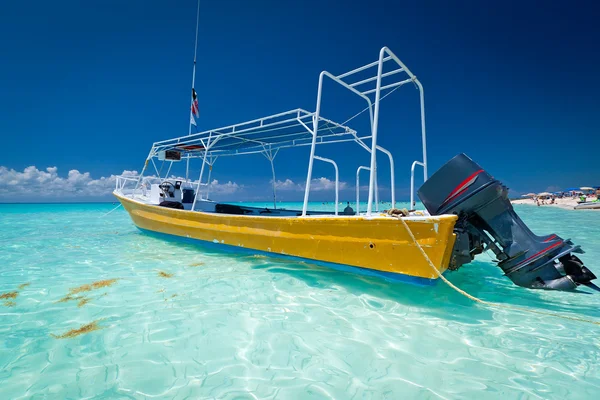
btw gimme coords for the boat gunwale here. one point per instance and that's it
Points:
(375, 216)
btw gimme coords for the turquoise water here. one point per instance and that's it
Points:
(236, 326)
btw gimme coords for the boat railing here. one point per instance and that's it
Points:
(127, 184)
(337, 180)
(136, 185)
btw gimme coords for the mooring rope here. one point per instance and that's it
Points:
(485, 302)
(102, 216)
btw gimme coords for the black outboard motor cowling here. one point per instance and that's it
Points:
(487, 221)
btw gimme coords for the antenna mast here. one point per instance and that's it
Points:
(187, 167)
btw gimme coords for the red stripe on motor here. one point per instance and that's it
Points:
(461, 186)
(539, 252)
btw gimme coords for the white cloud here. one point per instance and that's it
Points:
(34, 184)
(325, 184)
(316, 185)
(224, 188)
(216, 187)
(288, 184)
(47, 183)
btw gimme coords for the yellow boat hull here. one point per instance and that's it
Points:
(380, 245)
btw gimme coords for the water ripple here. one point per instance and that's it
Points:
(234, 326)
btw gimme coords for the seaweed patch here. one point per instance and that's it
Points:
(9, 303)
(87, 328)
(163, 274)
(68, 298)
(93, 286)
(197, 264)
(83, 301)
(9, 295)
(23, 285)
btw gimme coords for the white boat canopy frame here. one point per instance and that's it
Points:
(295, 128)
(385, 55)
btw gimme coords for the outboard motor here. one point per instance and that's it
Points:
(487, 221)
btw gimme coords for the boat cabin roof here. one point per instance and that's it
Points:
(288, 129)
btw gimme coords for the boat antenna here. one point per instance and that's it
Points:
(187, 167)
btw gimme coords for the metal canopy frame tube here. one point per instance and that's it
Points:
(260, 122)
(374, 109)
(292, 129)
(423, 133)
(168, 171)
(200, 177)
(393, 185)
(313, 145)
(358, 186)
(210, 168)
(396, 71)
(374, 133)
(412, 181)
(337, 180)
(391, 85)
(354, 71)
(148, 158)
(422, 104)
(270, 155)
(239, 135)
(316, 123)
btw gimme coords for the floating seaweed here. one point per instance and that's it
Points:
(197, 264)
(161, 290)
(23, 285)
(93, 286)
(84, 301)
(9, 303)
(163, 274)
(69, 297)
(87, 328)
(175, 295)
(9, 295)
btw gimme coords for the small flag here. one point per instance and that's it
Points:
(192, 120)
(195, 109)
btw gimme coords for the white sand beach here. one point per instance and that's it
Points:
(567, 203)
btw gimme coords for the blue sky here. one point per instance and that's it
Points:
(88, 86)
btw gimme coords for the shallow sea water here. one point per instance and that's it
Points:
(183, 321)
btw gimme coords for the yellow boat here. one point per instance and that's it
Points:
(467, 210)
(370, 242)
(379, 245)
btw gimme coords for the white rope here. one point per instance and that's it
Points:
(102, 216)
